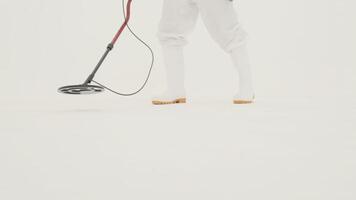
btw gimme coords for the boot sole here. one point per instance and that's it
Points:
(176, 101)
(242, 102)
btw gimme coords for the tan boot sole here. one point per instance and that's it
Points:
(242, 102)
(176, 101)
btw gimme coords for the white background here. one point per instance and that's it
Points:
(297, 142)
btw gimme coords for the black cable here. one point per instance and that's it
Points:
(150, 70)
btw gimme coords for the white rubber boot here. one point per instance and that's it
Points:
(241, 62)
(174, 67)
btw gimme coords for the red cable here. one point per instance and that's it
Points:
(123, 26)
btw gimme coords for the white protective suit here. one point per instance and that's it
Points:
(178, 21)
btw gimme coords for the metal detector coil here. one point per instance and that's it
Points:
(81, 89)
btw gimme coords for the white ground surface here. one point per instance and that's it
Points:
(114, 148)
(110, 148)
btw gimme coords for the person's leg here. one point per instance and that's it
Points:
(221, 20)
(178, 20)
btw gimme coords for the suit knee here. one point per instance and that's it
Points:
(173, 39)
(230, 40)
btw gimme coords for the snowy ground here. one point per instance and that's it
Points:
(85, 148)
